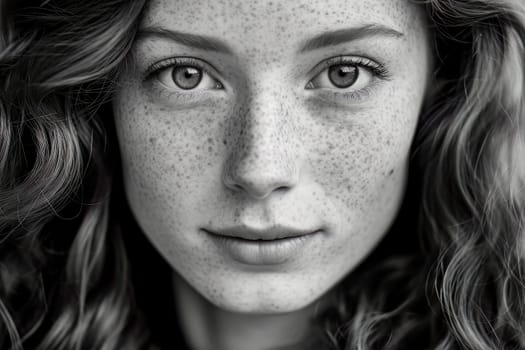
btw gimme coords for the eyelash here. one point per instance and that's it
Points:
(176, 61)
(376, 68)
(188, 98)
(378, 71)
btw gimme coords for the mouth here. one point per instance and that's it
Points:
(273, 233)
(272, 246)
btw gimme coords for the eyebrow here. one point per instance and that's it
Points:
(192, 40)
(346, 35)
(322, 40)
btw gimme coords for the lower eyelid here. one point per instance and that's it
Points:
(158, 93)
(328, 95)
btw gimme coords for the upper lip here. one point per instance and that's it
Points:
(269, 233)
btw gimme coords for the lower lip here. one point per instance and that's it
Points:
(263, 252)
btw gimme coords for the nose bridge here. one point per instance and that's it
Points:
(263, 125)
(261, 158)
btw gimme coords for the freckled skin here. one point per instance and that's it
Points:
(264, 149)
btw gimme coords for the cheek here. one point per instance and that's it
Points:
(362, 161)
(168, 157)
(359, 160)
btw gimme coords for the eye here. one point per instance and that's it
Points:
(187, 78)
(347, 74)
(185, 74)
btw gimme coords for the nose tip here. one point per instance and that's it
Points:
(261, 163)
(257, 182)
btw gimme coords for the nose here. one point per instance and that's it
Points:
(263, 158)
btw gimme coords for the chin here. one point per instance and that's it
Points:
(262, 297)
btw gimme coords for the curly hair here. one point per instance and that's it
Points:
(450, 274)
(63, 269)
(462, 286)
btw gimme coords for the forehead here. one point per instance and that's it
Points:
(269, 20)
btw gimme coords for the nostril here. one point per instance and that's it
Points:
(257, 189)
(238, 188)
(282, 188)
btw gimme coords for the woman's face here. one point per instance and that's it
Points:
(265, 143)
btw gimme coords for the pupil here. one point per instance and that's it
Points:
(343, 75)
(187, 77)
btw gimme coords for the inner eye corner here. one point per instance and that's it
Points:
(309, 85)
